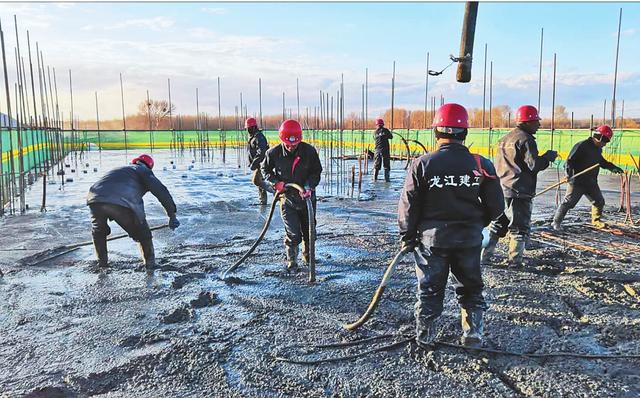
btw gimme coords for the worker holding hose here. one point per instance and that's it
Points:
(118, 196)
(518, 164)
(449, 195)
(293, 161)
(256, 148)
(584, 154)
(382, 155)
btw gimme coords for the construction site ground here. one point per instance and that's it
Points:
(70, 329)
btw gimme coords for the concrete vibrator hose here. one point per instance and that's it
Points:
(378, 294)
(406, 145)
(312, 229)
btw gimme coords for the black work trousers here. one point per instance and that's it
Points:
(575, 191)
(101, 213)
(518, 211)
(432, 271)
(380, 158)
(296, 222)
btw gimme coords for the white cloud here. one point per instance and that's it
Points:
(156, 23)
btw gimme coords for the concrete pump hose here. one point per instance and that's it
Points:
(257, 242)
(406, 145)
(378, 294)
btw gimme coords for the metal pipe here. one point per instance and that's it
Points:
(615, 75)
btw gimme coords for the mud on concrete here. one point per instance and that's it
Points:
(70, 329)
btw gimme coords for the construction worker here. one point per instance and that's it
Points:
(118, 196)
(449, 195)
(518, 165)
(256, 147)
(583, 155)
(293, 161)
(382, 155)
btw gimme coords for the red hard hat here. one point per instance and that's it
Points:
(290, 132)
(379, 122)
(451, 115)
(527, 113)
(605, 131)
(250, 122)
(146, 159)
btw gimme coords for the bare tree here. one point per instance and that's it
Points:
(156, 110)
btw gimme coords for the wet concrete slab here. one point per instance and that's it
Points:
(68, 328)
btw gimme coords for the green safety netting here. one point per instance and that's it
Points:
(624, 144)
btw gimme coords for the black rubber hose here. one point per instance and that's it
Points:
(406, 145)
(378, 294)
(312, 269)
(257, 242)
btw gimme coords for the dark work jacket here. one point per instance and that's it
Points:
(257, 146)
(518, 164)
(125, 186)
(446, 200)
(583, 155)
(382, 136)
(302, 167)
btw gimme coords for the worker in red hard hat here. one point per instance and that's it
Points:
(257, 146)
(583, 155)
(449, 195)
(382, 135)
(293, 161)
(518, 164)
(118, 196)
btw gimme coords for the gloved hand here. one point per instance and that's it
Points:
(279, 186)
(500, 226)
(617, 170)
(408, 246)
(550, 155)
(173, 222)
(306, 194)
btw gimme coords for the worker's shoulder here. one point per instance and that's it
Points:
(273, 151)
(307, 148)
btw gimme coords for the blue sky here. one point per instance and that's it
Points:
(194, 43)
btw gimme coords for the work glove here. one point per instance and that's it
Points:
(617, 170)
(550, 155)
(306, 194)
(173, 222)
(279, 186)
(500, 226)
(409, 245)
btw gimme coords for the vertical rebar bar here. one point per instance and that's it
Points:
(484, 86)
(426, 94)
(553, 102)
(124, 119)
(615, 75)
(540, 69)
(393, 86)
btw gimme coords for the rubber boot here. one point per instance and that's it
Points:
(472, 328)
(516, 252)
(426, 331)
(100, 248)
(148, 253)
(263, 196)
(558, 217)
(375, 174)
(387, 177)
(487, 252)
(596, 217)
(292, 258)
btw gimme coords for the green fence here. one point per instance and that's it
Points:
(624, 144)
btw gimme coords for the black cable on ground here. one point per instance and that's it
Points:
(411, 338)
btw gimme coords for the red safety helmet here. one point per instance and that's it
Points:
(379, 122)
(605, 131)
(451, 115)
(527, 113)
(250, 122)
(146, 159)
(290, 132)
